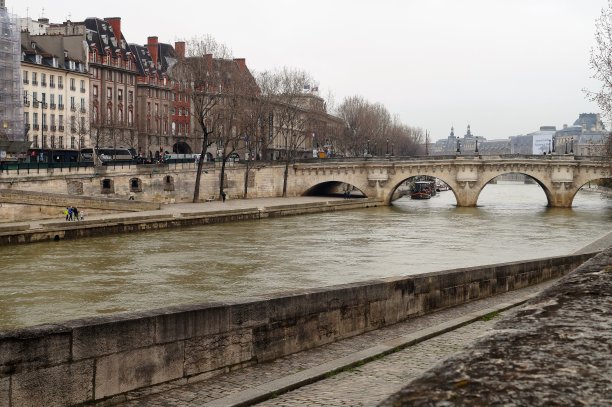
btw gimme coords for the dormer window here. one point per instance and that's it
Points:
(54, 62)
(105, 39)
(38, 59)
(33, 44)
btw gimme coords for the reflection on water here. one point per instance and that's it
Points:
(55, 281)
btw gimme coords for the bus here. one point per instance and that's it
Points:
(45, 155)
(109, 155)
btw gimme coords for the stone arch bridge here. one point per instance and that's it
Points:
(559, 176)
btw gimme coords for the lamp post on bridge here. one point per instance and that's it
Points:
(387, 153)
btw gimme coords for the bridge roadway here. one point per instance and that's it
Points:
(337, 374)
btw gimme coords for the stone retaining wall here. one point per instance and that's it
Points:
(139, 223)
(100, 359)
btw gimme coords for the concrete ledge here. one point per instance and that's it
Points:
(179, 343)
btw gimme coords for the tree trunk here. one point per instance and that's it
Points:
(196, 190)
(222, 176)
(246, 179)
(285, 176)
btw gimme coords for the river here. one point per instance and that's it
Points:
(56, 281)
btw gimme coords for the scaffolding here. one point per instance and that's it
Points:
(12, 130)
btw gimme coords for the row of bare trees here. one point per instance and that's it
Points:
(236, 110)
(371, 130)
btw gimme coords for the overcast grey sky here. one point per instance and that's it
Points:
(505, 67)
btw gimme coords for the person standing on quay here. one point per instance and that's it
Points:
(69, 213)
(75, 211)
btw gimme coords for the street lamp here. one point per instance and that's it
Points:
(387, 147)
(549, 151)
(392, 149)
(367, 146)
(458, 147)
(572, 148)
(476, 151)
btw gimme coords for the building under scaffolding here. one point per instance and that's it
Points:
(12, 131)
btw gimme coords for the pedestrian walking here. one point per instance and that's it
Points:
(75, 212)
(223, 196)
(65, 213)
(69, 213)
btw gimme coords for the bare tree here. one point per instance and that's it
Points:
(197, 73)
(284, 91)
(601, 64)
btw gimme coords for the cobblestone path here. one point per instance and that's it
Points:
(369, 384)
(366, 384)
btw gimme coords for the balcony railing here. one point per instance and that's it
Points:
(60, 128)
(52, 84)
(26, 82)
(43, 84)
(73, 129)
(35, 127)
(73, 88)
(26, 103)
(82, 90)
(52, 105)
(60, 86)
(73, 108)
(83, 110)
(34, 82)
(45, 127)
(35, 104)
(53, 127)
(60, 106)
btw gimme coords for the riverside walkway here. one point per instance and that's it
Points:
(396, 354)
(373, 367)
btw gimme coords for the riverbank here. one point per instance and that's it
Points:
(174, 216)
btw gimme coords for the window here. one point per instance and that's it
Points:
(34, 79)
(109, 76)
(82, 86)
(109, 93)
(130, 96)
(26, 97)
(25, 77)
(43, 79)
(60, 82)
(72, 84)
(35, 119)
(60, 101)
(82, 124)
(119, 95)
(95, 91)
(52, 120)
(52, 100)
(72, 142)
(52, 81)
(26, 118)
(83, 104)
(130, 117)
(109, 114)
(72, 105)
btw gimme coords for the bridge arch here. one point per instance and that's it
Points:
(545, 188)
(397, 185)
(334, 188)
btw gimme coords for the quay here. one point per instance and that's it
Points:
(172, 216)
(182, 355)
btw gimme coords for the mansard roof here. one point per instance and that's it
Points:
(102, 38)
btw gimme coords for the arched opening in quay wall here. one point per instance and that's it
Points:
(336, 189)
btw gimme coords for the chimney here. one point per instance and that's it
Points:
(152, 47)
(179, 48)
(208, 60)
(241, 62)
(115, 22)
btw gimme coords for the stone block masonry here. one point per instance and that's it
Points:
(103, 358)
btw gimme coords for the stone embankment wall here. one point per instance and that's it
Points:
(102, 358)
(131, 223)
(554, 351)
